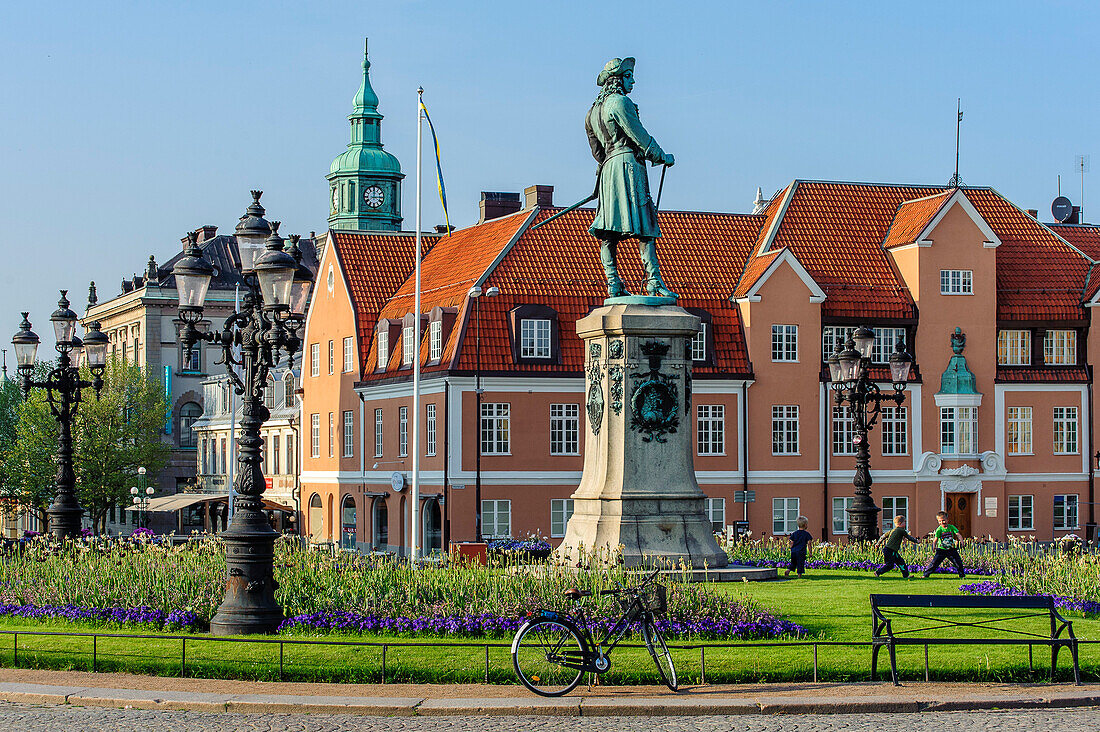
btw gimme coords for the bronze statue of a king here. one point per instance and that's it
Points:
(622, 146)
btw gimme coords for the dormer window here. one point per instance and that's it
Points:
(1014, 348)
(700, 347)
(435, 340)
(699, 344)
(383, 347)
(534, 338)
(1060, 348)
(407, 345)
(534, 334)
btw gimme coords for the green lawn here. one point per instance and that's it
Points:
(832, 604)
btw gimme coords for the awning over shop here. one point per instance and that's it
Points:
(183, 500)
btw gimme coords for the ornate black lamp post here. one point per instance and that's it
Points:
(848, 372)
(266, 327)
(63, 387)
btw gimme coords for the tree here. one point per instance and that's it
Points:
(28, 444)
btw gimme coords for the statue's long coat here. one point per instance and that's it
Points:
(621, 146)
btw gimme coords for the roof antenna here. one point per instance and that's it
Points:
(1083, 167)
(955, 182)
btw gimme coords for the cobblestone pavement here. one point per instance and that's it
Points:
(30, 718)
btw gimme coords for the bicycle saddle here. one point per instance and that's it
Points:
(574, 594)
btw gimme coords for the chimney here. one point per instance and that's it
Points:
(206, 231)
(542, 196)
(495, 204)
(1033, 213)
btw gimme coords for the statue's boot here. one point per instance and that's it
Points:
(654, 285)
(615, 286)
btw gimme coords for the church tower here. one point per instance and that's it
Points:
(365, 180)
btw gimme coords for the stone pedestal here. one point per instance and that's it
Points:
(638, 490)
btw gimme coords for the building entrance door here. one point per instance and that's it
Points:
(959, 507)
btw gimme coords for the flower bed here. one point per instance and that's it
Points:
(992, 587)
(864, 566)
(134, 616)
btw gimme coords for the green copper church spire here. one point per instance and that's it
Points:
(365, 180)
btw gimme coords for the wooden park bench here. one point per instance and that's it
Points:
(887, 608)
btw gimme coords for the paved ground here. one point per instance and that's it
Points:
(30, 718)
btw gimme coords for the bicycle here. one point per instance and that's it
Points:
(552, 649)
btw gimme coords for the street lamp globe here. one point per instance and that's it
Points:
(251, 232)
(64, 323)
(900, 363)
(26, 344)
(864, 339)
(95, 345)
(834, 365)
(849, 363)
(77, 345)
(303, 279)
(133, 491)
(141, 471)
(193, 274)
(275, 272)
(149, 491)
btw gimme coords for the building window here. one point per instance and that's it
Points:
(785, 430)
(1065, 512)
(565, 429)
(1019, 430)
(784, 515)
(378, 433)
(534, 338)
(435, 340)
(290, 455)
(275, 455)
(314, 359)
(1060, 348)
(429, 429)
(841, 504)
(699, 344)
(495, 420)
(885, 340)
(560, 511)
(894, 506)
(331, 358)
(383, 348)
(958, 430)
(288, 390)
(895, 430)
(496, 519)
(195, 362)
(315, 435)
(711, 429)
(331, 434)
(189, 412)
(1021, 513)
(349, 355)
(402, 431)
(956, 282)
(784, 343)
(844, 431)
(1065, 431)
(269, 392)
(349, 434)
(716, 512)
(202, 458)
(831, 335)
(407, 346)
(1014, 348)
(223, 462)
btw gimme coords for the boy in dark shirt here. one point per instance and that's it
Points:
(800, 543)
(891, 552)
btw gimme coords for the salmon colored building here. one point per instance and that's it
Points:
(996, 427)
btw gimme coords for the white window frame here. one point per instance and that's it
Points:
(956, 282)
(1060, 348)
(1021, 513)
(565, 429)
(894, 506)
(885, 340)
(349, 434)
(496, 428)
(1066, 431)
(710, 429)
(844, 431)
(784, 516)
(841, 504)
(331, 434)
(956, 425)
(492, 525)
(349, 355)
(716, 513)
(1064, 513)
(407, 345)
(315, 435)
(534, 338)
(402, 432)
(314, 359)
(784, 343)
(561, 509)
(383, 348)
(429, 430)
(785, 440)
(895, 430)
(829, 336)
(699, 344)
(331, 357)
(435, 340)
(1014, 348)
(1018, 433)
(379, 433)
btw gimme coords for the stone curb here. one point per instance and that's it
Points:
(693, 705)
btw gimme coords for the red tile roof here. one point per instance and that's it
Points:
(375, 265)
(912, 217)
(1085, 237)
(1065, 374)
(754, 270)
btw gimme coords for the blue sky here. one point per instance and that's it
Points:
(126, 124)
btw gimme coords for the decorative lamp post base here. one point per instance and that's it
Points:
(64, 521)
(863, 522)
(249, 606)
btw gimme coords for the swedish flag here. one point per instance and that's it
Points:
(438, 168)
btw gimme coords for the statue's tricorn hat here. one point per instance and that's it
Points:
(615, 67)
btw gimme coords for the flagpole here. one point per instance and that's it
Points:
(415, 519)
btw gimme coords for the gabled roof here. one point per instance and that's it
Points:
(912, 218)
(764, 266)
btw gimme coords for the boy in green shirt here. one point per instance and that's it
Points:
(947, 538)
(891, 553)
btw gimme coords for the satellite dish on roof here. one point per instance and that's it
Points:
(1062, 208)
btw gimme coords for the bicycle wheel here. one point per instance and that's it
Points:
(539, 654)
(657, 648)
